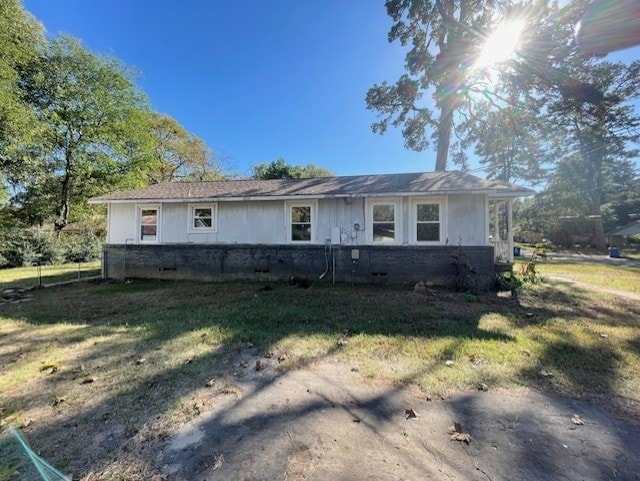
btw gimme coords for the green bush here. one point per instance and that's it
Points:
(27, 247)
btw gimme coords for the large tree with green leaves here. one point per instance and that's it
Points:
(94, 119)
(178, 154)
(21, 37)
(280, 169)
(445, 38)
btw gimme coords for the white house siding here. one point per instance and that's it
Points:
(467, 224)
(266, 222)
(343, 213)
(122, 224)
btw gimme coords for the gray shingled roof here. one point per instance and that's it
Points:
(358, 185)
(630, 229)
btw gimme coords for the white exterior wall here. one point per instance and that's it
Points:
(266, 222)
(467, 215)
(121, 226)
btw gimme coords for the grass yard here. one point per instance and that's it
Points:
(78, 359)
(26, 277)
(616, 277)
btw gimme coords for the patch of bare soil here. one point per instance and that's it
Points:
(323, 423)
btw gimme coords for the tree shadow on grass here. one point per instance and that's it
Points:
(247, 320)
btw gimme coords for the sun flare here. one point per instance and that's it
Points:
(501, 44)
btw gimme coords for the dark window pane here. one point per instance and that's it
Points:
(383, 213)
(428, 212)
(429, 232)
(149, 217)
(202, 223)
(301, 214)
(301, 232)
(384, 232)
(202, 213)
(148, 232)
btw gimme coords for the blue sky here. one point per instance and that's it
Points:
(257, 79)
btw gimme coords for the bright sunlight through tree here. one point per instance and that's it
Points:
(501, 44)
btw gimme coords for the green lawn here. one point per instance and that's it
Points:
(32, 276)
(76, 357)
(615, 277)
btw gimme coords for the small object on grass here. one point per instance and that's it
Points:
(603, 335)
(357, 420)
(449, 362)
(577, 420)
(140, 361)
(269, 355)
(483, 387)
(26, 423)
(88, 380)
(411, 414)
(58, 400)
(529, 314)
(259, 366)
(526, 352)
(545, 373)
(211, 383)
(472, 358)
(282, 357)
(189, 360)
(342, 342)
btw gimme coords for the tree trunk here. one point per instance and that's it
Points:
(444, 133)
(65, 197)
(596, 213)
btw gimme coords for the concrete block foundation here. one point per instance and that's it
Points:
(361, 264)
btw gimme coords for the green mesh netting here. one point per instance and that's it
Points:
(18, 462)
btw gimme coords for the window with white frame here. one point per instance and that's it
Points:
(301, 222)
(148, 223)
(427, 216)
(384, 226)
(202, 218)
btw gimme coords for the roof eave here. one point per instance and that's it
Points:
(492, 193)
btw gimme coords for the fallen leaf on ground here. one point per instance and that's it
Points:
(282, 357)
(51, 367)
(142, 360)
(458, 434)
(88, 380)
(545, 373)
(577, 420)
(189, 361)
(472, 358)
(526, 352)
(463, 437)
(342, 342)
(411, 414)
(218, 461)
(26, 423)
(603, 335)
(58, 400)
(211, 383)
(449, 362)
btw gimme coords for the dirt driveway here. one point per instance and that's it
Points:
(323, 422)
